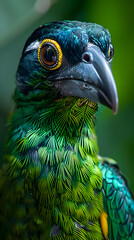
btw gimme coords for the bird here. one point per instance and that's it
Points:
(54, 185)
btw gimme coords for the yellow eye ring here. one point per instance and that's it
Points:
(50, 54)
(110, 52)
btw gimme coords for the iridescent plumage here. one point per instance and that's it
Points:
(53, 184)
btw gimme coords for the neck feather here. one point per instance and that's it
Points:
(37, 118)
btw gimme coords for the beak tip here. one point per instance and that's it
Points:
(115, 107)
(115, 111)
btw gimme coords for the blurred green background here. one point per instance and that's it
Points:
(18, 18)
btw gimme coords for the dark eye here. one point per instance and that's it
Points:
(50, 54)
(110, 52)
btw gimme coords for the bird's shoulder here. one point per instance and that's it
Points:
(118, 201)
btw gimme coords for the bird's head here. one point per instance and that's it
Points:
(70, 58)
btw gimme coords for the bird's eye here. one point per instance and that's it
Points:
(50, 54)
(110, 52)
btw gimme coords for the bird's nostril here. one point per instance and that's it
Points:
(86, 57)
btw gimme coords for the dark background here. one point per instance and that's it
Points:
(18, 18)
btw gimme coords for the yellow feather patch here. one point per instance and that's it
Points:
(104, 224)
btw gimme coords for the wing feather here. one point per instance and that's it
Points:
(118, 202)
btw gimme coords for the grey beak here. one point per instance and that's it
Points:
(91, 78)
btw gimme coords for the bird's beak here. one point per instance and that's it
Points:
(91, 78)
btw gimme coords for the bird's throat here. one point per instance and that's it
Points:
(35, 121)
(58, 115)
